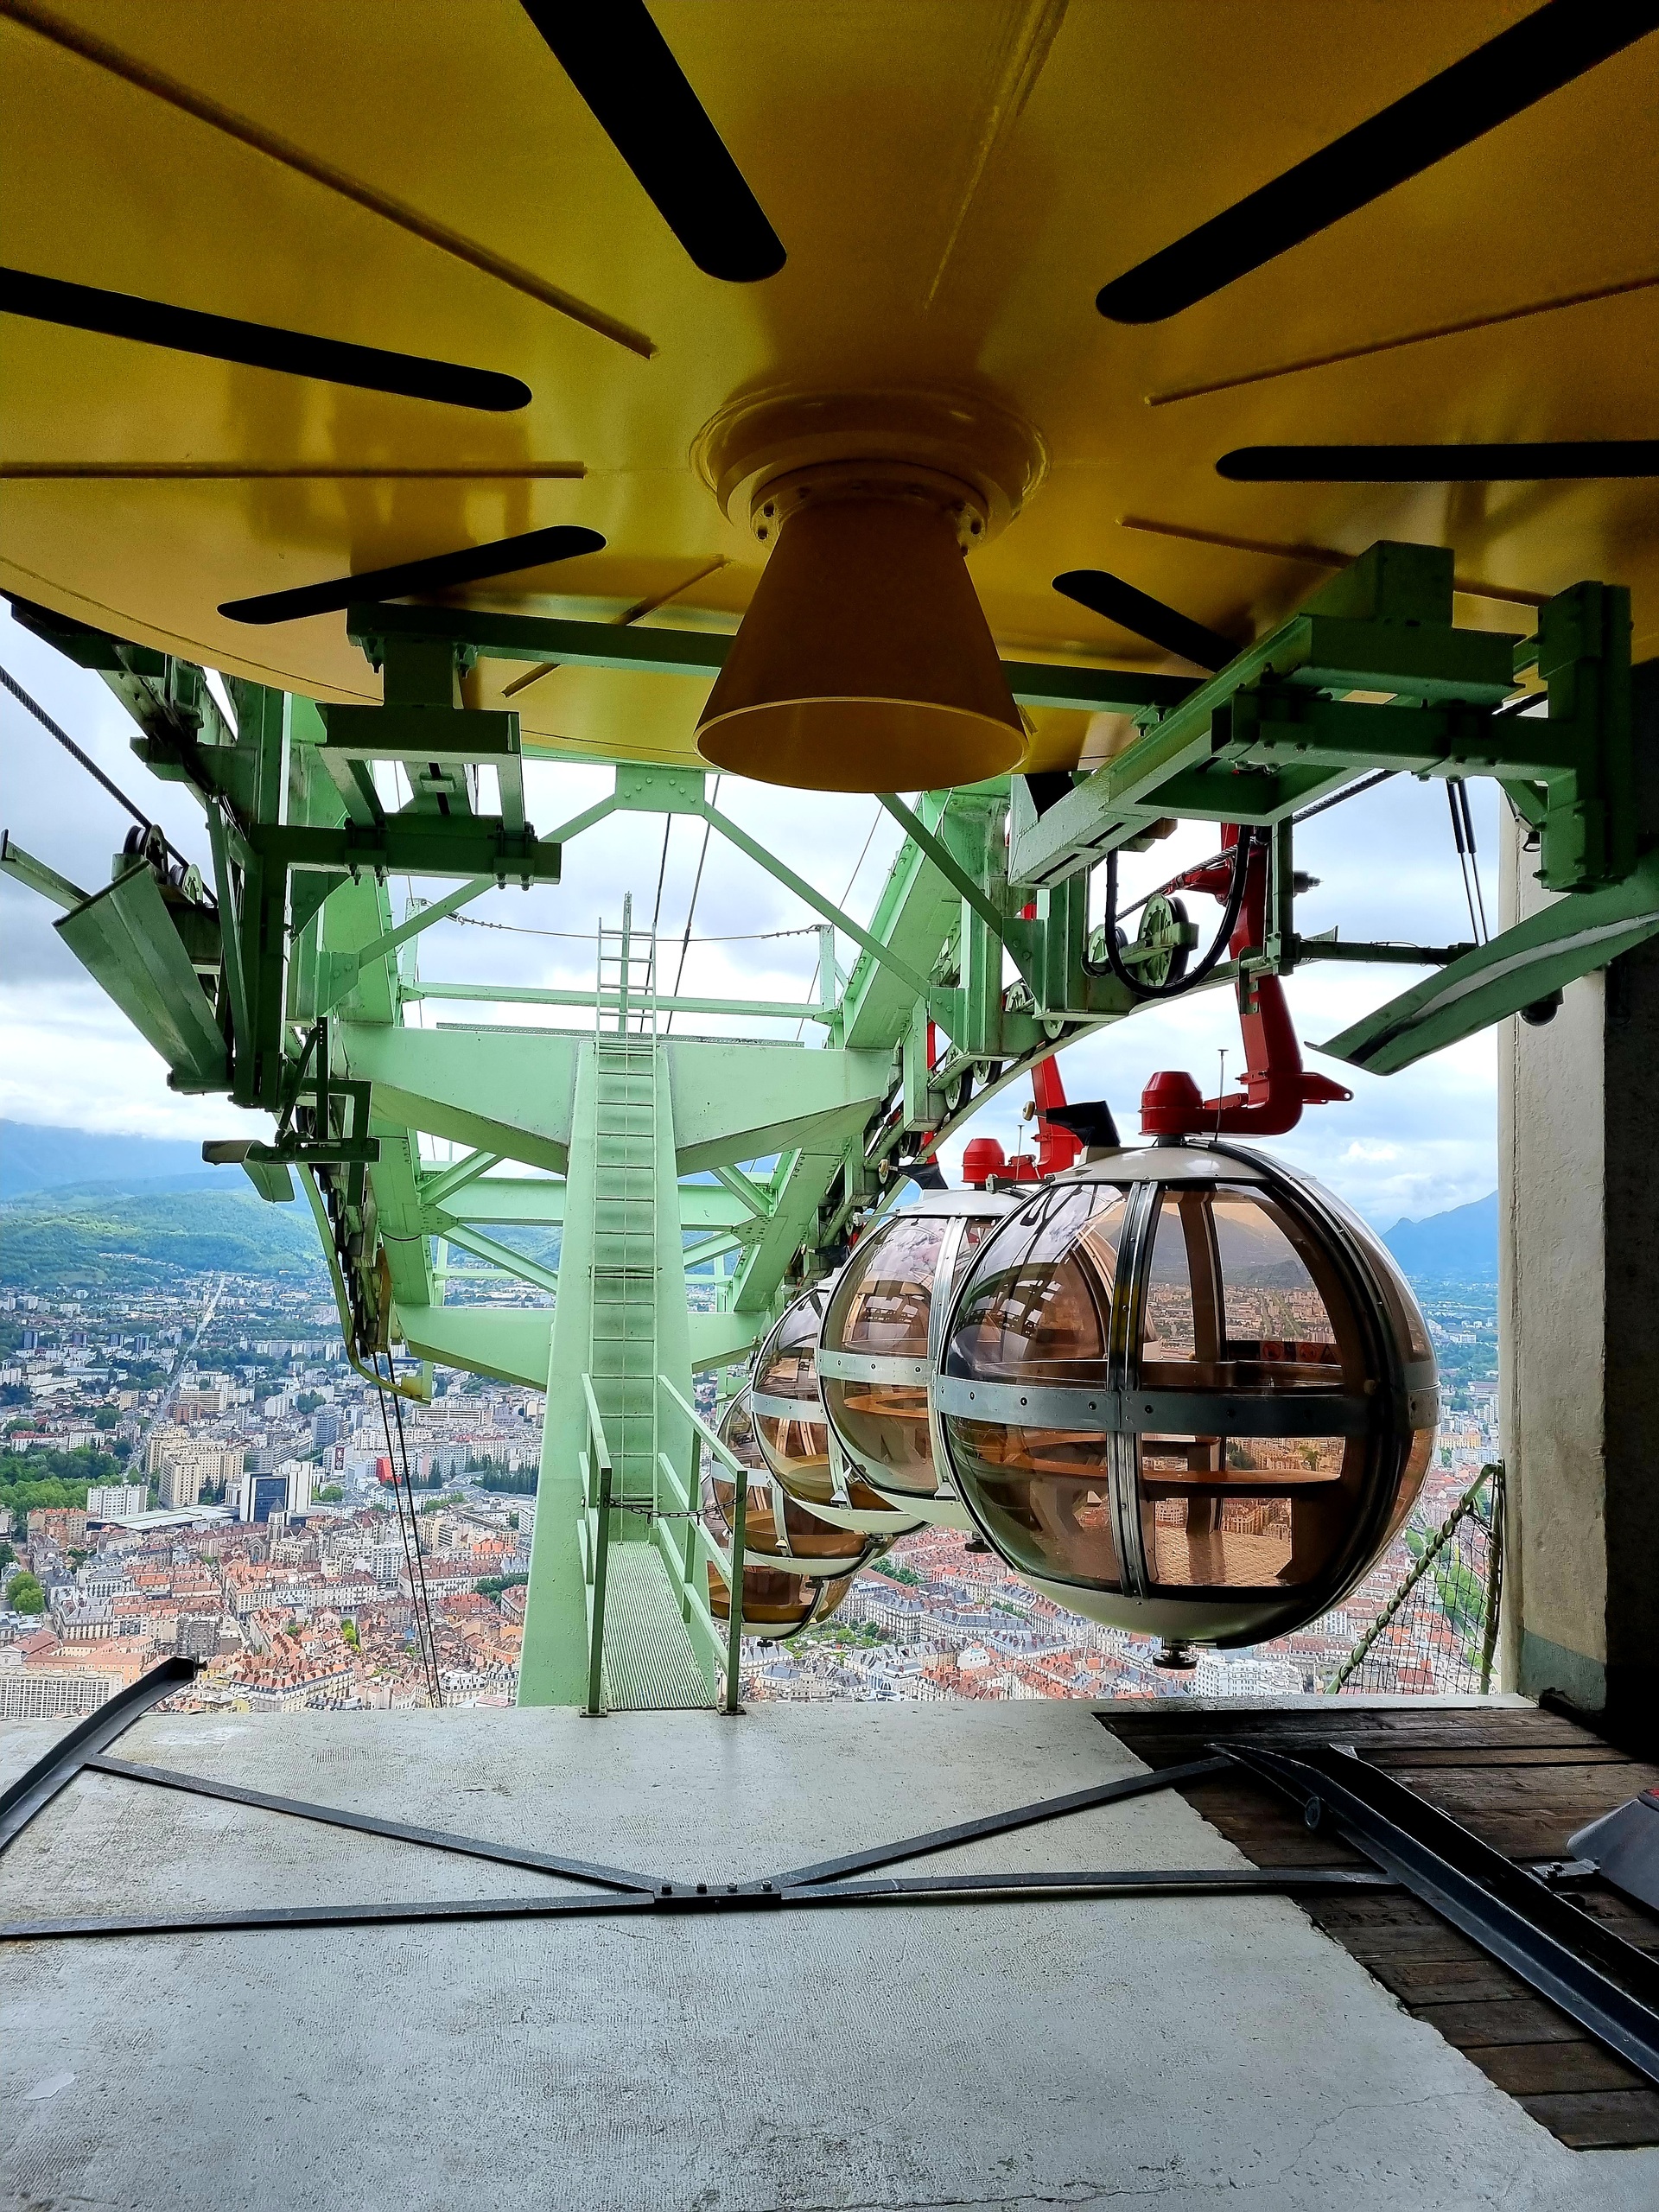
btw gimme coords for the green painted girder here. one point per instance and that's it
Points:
(916, 913)
(1383, 625)
(338, 984)
(1086, 685)
(511, 1095)
(534, 995)
(510, 1343)
(723, 1340)
(125, 937)
(743, 1101)
(436, 744)
(503, 1256)
(439, 1186)
(806, 1175)
(392, 1197)
(357, 916)
(411, 844)
(35, 875)
(514, 1095)
(754, 1198)
(1274, 728)
(1523, 964)
(505, 1201)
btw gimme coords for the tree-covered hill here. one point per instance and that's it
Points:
(84, 1241)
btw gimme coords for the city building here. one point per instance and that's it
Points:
(104, 1502)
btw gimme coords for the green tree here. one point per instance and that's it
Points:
(6, 1554)
(330, 1494)
(896, 1573)
(105, 1417)
(349, 1631)
(25, 1595)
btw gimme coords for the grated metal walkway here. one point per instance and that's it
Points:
(649, 1663)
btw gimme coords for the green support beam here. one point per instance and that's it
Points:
(1086, 686)
(1278, 727)
(1532, 961)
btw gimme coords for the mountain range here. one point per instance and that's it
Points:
(77, 1204)
(82, 1208)
(37, 1158)
(1460, 1245)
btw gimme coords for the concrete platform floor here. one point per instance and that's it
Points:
(889, 2059)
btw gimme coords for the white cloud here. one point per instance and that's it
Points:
(69, 1058)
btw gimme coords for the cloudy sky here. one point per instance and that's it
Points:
(1407, 1144)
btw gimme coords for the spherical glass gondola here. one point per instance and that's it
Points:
(796, 1567)
(1186, 1391)
(794, 1438)
(881, 1337)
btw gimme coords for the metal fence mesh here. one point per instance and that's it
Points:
(1439, 1631)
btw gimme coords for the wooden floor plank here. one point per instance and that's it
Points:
(1604, 2119)
(1533, 2070)
(1522, 1780)
(1534, 1755)
(1422, 1983)
(1478, 2023)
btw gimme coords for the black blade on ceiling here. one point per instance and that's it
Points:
(1544, 51)
(257, 345)
(438, 572)
(1516, 462)
(1147, 617)
(623, 67)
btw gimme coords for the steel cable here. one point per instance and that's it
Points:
(55, 729)
(426, 1599)
(420, 1603)
(696, 886)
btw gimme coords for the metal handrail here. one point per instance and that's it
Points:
(730, 1562)
(595, 1425)
(598, 1561)
(721, 1451)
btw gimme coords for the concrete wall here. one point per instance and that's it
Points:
(1579, 1313)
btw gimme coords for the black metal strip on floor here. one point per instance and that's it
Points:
(1021, 1816)
(1122, 1881)
(248, 1917)
(1609, 1986)
(35, 1789)
(685, 1898)
(300, 1809)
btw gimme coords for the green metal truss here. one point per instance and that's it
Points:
(694, 1182)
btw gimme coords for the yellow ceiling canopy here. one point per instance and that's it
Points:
(305, 293)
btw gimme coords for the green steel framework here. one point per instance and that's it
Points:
(283, 984)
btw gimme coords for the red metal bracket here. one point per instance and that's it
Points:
(983, 1158)
(1276, 1085)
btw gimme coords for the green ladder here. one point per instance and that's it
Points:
(624, 1274)
(649, 1659)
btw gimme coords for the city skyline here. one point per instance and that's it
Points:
(277, 1545)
